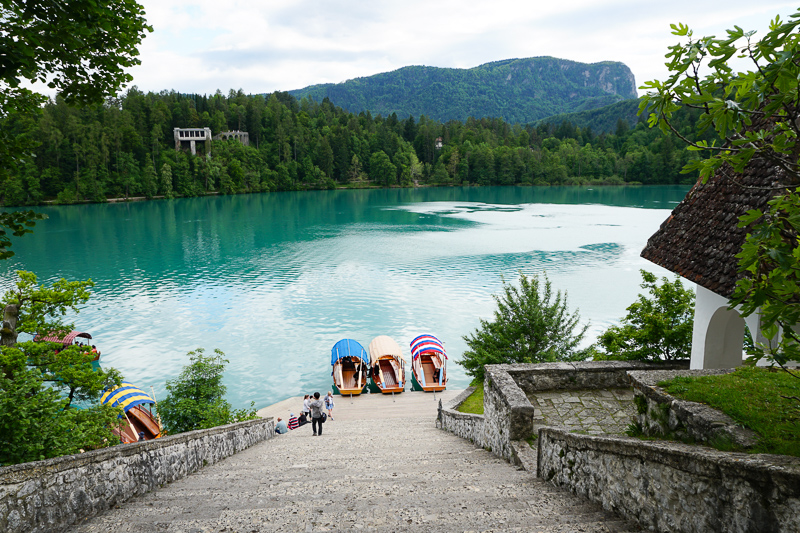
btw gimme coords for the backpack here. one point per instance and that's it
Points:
(323, 418)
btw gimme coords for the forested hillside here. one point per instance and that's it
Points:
(517, 90)
(601, 120)
(125, 148)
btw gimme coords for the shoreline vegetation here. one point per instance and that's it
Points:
(125, 148)
(351, 186)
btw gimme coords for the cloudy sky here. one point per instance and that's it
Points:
(203, 45)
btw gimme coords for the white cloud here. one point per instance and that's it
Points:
(201, 46)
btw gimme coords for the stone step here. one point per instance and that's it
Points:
(392, 474)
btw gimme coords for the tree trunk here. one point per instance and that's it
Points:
(8, 333)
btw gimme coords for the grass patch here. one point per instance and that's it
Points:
(754, 397)
(474, 402)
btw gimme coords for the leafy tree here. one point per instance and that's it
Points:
(81, 48)
(18, 223)
(531, 325)
(756, 114)
(381, 168)
(166, 180)
(658, 327)
(42, 384)
(196, 398)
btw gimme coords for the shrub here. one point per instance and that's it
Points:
(196, 399)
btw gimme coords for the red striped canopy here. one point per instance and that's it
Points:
(58, 336)
(424, 344)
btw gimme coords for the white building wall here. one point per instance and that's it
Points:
(718, 332)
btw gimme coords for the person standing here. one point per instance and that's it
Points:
(329, 404)
(306, 410)
(317, 407)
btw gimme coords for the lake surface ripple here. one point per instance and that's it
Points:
(274, 280)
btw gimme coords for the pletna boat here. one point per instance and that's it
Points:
(428, 364)
(350, 364)
(67, 339)
(387, 367)
(137, 422)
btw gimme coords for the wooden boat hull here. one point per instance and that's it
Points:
(137, 420)
(393, 381)
(345, 382)
(426, 365)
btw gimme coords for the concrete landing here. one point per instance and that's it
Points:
(379, 466)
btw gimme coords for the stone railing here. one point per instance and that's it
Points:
(466, 425)
(510, 418)
(670, 486)
(664, 485)
(662, 415)
(53, 494)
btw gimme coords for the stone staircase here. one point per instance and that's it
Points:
(368, 473)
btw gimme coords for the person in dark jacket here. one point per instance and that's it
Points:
(317, 408)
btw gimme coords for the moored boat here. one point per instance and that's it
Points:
(388, 374)
(68, 339)
(350, 364)
(137, 422)
(428, 364)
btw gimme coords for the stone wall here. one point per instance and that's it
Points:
(674, 487)
(663, 415)
(509, 415)
(466, 425)
(50, 495)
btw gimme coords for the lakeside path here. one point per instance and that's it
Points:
(380, 466)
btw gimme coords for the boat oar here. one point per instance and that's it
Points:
(130, 424)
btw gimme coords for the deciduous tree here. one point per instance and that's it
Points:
(531, 325)
(42, 383)
(196, 398)
(657, 327)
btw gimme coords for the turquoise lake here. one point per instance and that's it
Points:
(274, 280)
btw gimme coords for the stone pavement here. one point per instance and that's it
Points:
(379, 466)
(593, 412)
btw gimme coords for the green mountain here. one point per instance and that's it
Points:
(516, 90)
(600, 120)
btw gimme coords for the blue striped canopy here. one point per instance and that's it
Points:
(125, 396)
(348, 348)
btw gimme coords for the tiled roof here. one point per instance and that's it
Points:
(700, 239)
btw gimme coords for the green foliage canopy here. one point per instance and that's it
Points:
(196, 398)
(80, 47)
(657, 327)
(48, 395)
(531, 325)
(17, 223)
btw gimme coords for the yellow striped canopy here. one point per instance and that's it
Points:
(125, 396)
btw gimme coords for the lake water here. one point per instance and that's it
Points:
(274, 280)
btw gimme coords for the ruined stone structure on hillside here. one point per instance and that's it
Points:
(242, 136)
(192, 136)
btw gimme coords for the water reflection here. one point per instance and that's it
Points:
(275, 280)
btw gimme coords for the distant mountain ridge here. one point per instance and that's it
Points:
(517, 90)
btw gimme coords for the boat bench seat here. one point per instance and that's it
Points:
(389, 377)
